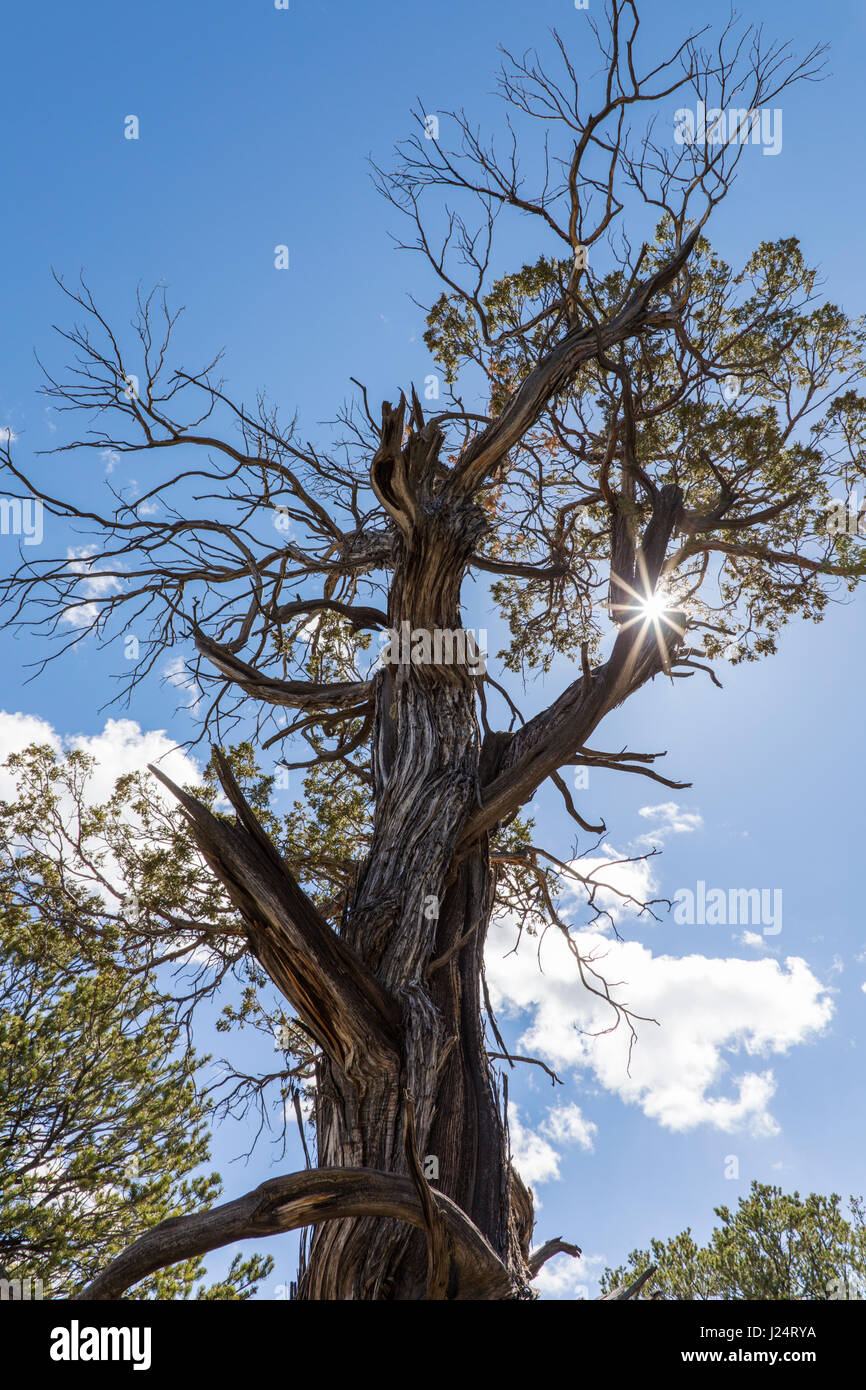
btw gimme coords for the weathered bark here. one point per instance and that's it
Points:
(419, 921)
(458, 1117)
(284, 1204)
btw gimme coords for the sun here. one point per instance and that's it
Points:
(655, 605)
(659, 612)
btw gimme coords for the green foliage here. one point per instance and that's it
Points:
(103, 1126)
(791, 440)
(774, 1245)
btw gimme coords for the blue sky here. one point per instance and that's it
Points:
(255, 127)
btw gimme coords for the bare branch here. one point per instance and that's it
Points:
(304, 1199)
(546, 1252)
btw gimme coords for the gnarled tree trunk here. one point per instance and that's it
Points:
(419, 921)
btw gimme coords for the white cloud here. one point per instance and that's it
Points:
(535, 1158)
(94, 583)
(753, 939)
(671, 819)
(121, 747)
(6, 435)
(565, 1277)
(566, 1124)
(617, 878)
(176, 672)
(124, 747)
(18, 731)
(81, 615)
(712, 1012)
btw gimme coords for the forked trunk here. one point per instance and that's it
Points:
(419, 922)
(459, 1124)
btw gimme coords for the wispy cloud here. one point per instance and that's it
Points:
(671, 819)
(537, 1153)
(622, 885)
(753, 940)
(94, 583)
(177, 673)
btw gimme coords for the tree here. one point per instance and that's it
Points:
(635, 448)
(100, 1123)
(774, 1246)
